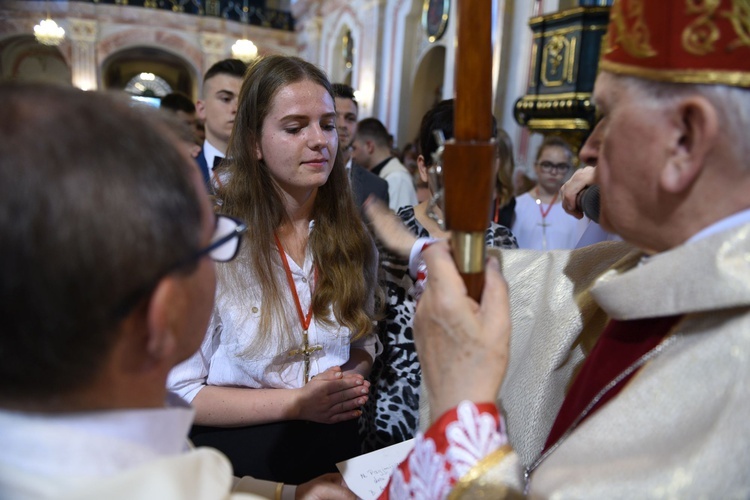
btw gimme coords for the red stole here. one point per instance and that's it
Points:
(622, 343)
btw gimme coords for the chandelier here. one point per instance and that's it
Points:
(244, 50)
(48, 32)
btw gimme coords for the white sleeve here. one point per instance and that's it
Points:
(401, 192)
(415, 256)
(189, 377)
(370, 344)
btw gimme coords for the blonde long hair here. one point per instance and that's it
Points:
(343, 251)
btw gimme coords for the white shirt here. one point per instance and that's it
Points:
(560, 230)
(401, 192)
(209, 153)
(590, 232)
(222, 360)
(61, 444)
(48, 455)
(724, 224)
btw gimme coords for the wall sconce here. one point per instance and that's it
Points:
(245, 50)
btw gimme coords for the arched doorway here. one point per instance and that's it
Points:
(427, 88)
(123, 66)
(23, 59)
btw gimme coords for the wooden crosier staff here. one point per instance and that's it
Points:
(468, 158)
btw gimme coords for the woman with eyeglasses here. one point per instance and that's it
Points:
(540, 222)
(280, 378)
(392, 412)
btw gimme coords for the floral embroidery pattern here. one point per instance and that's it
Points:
(470, 438)
(429, 477)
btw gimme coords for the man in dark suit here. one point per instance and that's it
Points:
(217, 107)
(364, 183)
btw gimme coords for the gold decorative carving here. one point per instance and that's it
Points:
(213, 8)
(634, 39)
(570, 29)
(700, 36)
(565, 14)
(552, 97)
(740, 19)
(556, 53)
(177, 6)
(571, 59)
(212, 43)
(558, 124)
(83, 30)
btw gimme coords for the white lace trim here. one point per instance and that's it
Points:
(470, 438)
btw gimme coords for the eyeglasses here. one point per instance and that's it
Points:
(225, 242)
(554, 168)
(224, 246)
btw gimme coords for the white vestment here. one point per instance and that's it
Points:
(678, 429)
(118, 454)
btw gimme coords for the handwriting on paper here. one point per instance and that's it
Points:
(367, 475)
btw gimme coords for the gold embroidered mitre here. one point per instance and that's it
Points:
(683, 41)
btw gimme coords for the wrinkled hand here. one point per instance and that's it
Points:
(389, 228)
(569, 191)
(462, 345)
(325, 487)
(333, 396)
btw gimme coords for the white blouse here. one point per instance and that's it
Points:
(558, 228)
(222, 359)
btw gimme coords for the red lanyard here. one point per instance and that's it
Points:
(549, 207)
(304, 320)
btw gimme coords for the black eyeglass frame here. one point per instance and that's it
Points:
(550, 167)
(126, 305)
(238, 231)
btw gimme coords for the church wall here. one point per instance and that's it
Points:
(96, 32)
(391, 43)
(389, 49)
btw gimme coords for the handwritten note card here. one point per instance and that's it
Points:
(367, 475)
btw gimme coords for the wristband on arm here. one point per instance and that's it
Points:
(417, 267)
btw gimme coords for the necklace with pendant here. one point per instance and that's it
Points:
(544, 213)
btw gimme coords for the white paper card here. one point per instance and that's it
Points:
(367, 475)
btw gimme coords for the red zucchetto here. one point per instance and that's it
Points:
(682, 41)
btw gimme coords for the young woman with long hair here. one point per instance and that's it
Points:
(280, 379)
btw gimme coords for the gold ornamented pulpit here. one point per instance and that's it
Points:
(564, 62)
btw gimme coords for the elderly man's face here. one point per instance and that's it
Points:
(629, 146)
